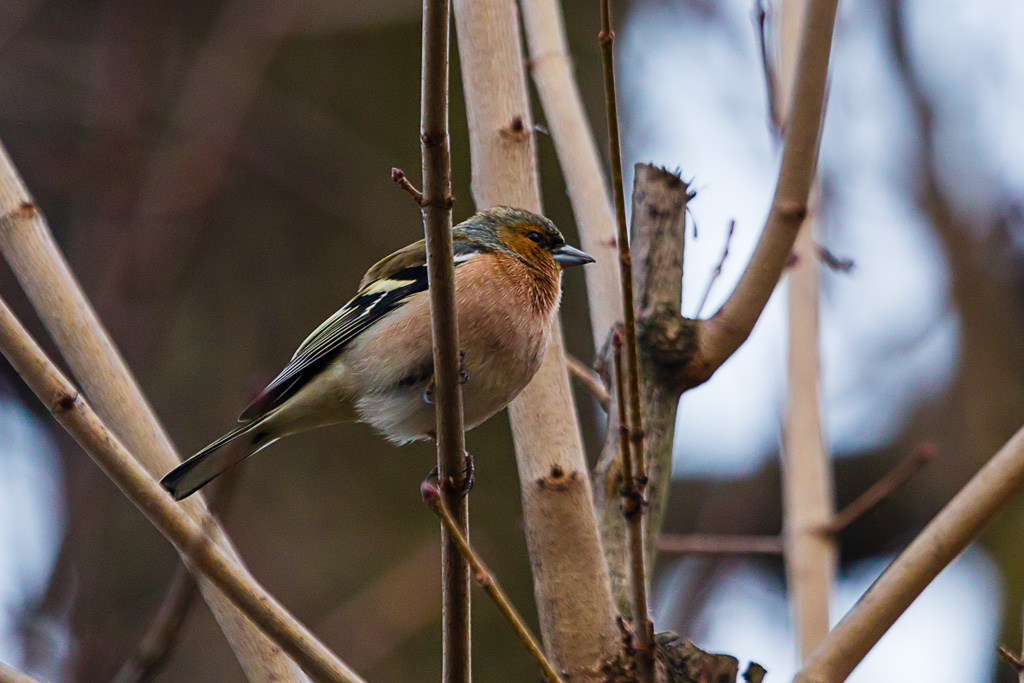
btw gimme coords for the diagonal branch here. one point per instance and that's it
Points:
(487, 581)
(451, 438)
(207, 558)
(945, 537)
(29, 247)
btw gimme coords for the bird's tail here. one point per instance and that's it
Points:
(216, 459)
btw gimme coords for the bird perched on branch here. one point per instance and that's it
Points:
(372, 361)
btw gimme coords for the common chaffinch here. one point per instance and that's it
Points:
(372, 361)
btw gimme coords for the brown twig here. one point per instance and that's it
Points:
(632, 502)
(719, 544)
(436, 203)
(162, 634)
(11, 675)
(945, 537)
(398, 175)
(68, 406)
(37, 262)
(590, 380)
(883, 488)
(634, 465)
(717, 272)
(486, 579)
(574, 600)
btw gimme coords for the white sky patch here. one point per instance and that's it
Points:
(31, 519)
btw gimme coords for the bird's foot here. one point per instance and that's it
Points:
(460, 486)
(463, 372)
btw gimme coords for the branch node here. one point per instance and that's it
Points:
(515, 131)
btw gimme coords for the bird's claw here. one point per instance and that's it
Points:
(460, 486)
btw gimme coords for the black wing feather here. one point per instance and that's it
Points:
(331, 338)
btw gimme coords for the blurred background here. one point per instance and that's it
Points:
(218, 174)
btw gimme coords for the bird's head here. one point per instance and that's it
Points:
(525, 235)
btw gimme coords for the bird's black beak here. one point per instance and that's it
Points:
(568, 256)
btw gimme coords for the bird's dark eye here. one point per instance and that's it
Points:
(535, 236)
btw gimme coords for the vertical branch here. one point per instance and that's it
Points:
(577, 615)
(551, 67)
(634, 465)
(29, 247)
(632, 511)
(810, 553)
(945, 537)
(451, 438)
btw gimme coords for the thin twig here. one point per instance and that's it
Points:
(632, 512)
(837, 264)
(486, 579)
(68, 406)
(590, 380)
(162, 634)
(436, 203)
(719, 544)
(945, 537)
(1013, 660)
(717, 272)
(761, 25)
(883, 488)
(634, 465)
(398, 175)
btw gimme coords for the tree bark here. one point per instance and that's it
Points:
(577, 616)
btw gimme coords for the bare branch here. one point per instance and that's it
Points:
(574, 601)
(487, 581)
(162, 634)
(436, 204)
(719, 544)
(29, 247)
(631, 444)
(67, 405)
(945, 537)
(883, 488)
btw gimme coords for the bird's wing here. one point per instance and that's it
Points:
(385, 287)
